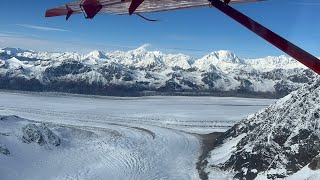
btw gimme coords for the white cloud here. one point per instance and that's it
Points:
(42, 28)
(144, 46)
(5, 35)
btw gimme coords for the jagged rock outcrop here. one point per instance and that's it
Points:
(4, 150)
(39, 134)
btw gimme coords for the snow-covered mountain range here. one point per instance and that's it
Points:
(140, 72)
(279, 141)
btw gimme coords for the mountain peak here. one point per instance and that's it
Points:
(143, 47)
(96, 55)
(223, 52)
(227, 56)
(223, 59)
(141, 50)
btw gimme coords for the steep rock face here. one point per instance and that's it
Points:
(4, 150)
(220, 73)
(275, 142)
(315, 163)
(39, 134)
(66, 68)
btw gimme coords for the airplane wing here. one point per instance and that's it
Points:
(124, 7)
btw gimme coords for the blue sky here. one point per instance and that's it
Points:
(194, 31)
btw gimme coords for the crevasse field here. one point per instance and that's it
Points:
(112, 137)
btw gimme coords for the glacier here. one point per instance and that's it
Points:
(64, 136)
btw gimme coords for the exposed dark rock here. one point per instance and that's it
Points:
(283, 87)
(4, 150)
(49, 136)
(31, 133)
(39, 134)
(68, 67)
(210, 78)
(315, 163)
(276, 74)
(245, 86)
(190, 84)
(4, 55)
(171, 85)
(6, 118)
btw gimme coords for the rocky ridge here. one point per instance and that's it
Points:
(141, 72)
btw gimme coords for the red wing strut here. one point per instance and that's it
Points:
(134, 5)
(91, 8)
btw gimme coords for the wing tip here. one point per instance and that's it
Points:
(48, 14)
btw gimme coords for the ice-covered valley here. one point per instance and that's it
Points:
(110, 137)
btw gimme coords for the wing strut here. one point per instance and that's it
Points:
(90, 8)
(134, 5)
(294, 51)
(70, 12)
